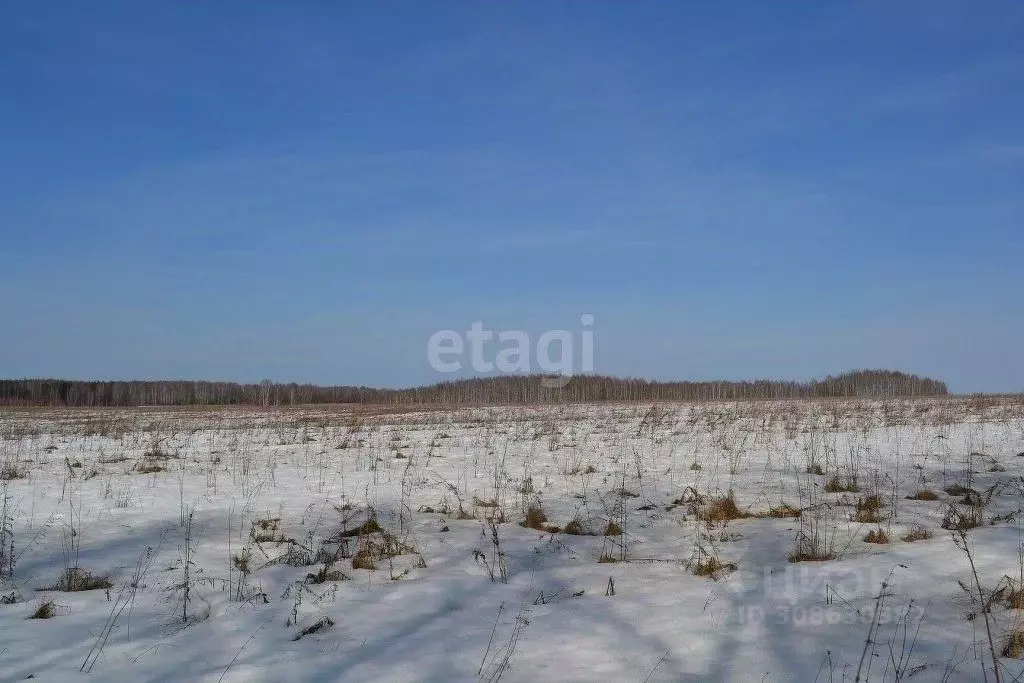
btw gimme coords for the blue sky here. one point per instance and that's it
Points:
(307, 191)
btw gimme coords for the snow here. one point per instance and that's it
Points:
(433, 612)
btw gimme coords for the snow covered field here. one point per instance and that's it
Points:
(340, 544)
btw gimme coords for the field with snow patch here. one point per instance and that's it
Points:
(633, 543)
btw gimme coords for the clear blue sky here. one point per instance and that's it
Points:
(306, 191)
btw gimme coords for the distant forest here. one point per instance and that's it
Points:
(506, 389)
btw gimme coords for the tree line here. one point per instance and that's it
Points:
(504, 389)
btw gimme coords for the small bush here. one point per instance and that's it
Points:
(722, 509)
(924, 494)
(575, 528)
(606, 559)
(918, 533)
(44, 611)
(877, 536)
(535, 518)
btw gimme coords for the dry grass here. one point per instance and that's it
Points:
(370, 526)
(721, 509)
(363, 559)
(877, 536)
(867, 510)
(918, 533)
(612, 529)
(1014, 648)
(1015, 599)
(10, 470)
(76, 579)
(44, 611)
(535, 518)
(837, 485)
(711, 566)
(957, 519)
(266, 531)
(326, 574)
(957, 490)
(575, 528)
(781, 511)
(807, 555)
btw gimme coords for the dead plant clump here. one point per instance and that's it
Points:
(370, 526)
(924, 494)
(44, 611)
(721, 509)
(535, 518)
(606, 558)
(809, 555)
(158, 453)
(837, 485)
(575, 528)
(867, 510)
(877, 536)
(326, 574)
(11, 470)
(1015, 598)
(373, 549)
(363, 559)
(918, 533)
(812, 543)
(690, 498)
(782, 511)
(957, 519)
(712, 566)
(1015, 645)
(957, 490)
(76, 579)
(266, 531)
